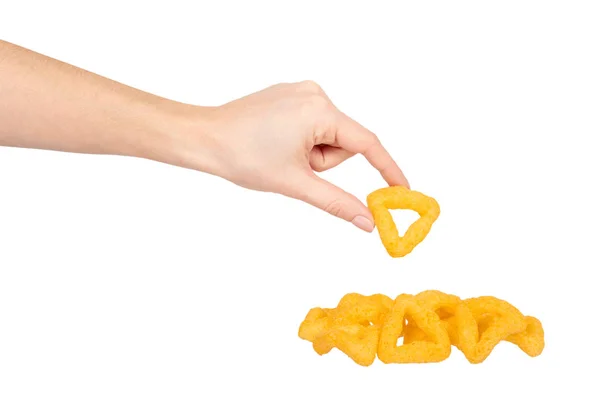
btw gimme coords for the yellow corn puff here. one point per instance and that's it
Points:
(531, 341)
(366, 327)
(399, 197)
(496, 321)
(434, 348)
(357, 341)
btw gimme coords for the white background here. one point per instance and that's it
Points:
(123, 277)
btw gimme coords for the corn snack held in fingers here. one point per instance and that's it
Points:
(399, 197)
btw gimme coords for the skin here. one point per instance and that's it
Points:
(274, 140)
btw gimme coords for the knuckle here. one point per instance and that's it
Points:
(318, 164)
(371, 141)
(319, 102)
(318, 167)
(311, 86)
(335, 207)
(323, 135)
(315, 106)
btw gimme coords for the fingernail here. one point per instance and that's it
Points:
(363, 223)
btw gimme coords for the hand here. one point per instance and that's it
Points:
(273, 140)
(276, 139)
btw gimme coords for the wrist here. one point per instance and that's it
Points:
(183, 135)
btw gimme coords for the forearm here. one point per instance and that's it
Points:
(273, 140)
(47, 104)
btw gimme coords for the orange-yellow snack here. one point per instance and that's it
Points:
(399, 197)
(316, 322)
(475, 326)
(454, 315)
(434, 348)
(496, 321)
(353, 326)
(357, 341)
(355, 308)
(531, 341)
(364, 327)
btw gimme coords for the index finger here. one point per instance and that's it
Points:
(357, 139)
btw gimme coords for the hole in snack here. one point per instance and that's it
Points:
(403, 219)
(412, 329)
(443, 313)
(484, 322)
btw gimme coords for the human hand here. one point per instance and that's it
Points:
(276, 139)
(273, 140)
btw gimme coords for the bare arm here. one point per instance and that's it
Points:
(48, 104)
(274, 140)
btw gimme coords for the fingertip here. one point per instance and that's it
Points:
(397, 180)
(337, 202)
(363, 223)
(404, 182)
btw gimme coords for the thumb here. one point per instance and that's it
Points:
(330, 198)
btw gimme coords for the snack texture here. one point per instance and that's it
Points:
(399, 197)
(366, 327)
